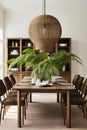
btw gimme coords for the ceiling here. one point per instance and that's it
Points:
(27, 5)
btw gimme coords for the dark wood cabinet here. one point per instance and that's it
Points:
(16, 46)
(65, 44)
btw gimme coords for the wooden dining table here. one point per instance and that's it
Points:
(44, 89)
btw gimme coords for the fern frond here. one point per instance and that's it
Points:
(43, 66)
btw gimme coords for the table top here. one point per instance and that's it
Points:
(60, 85)
(46, 88)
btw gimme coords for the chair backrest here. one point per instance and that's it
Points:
(76, 77)
(2, 88)
(12, 78)
(79, 83)
(83, 86)
(8, 83)
(84, 90)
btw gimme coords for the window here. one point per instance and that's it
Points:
(1, 34)
(1, 53)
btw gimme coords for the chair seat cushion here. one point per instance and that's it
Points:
(13, 101)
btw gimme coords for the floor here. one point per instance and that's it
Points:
(43, 114)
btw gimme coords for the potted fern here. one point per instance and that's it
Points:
(43, 65)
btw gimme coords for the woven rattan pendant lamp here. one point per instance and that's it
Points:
(44, 31)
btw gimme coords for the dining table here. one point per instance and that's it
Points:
(62, 87)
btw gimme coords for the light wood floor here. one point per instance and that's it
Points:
(43, 114)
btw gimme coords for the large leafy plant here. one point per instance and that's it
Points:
(44, 65)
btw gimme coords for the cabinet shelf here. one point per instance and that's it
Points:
(27, 47)
(19, 44)
(65, 44)
(13, 47)
(13, 54)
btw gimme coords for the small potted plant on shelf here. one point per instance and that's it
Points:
(44, 65)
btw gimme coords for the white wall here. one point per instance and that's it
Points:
(1, 42)
(74, 25)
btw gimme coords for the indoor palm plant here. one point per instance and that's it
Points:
(44, 65)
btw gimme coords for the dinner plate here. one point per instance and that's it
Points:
(63, 45)
(22, 84)
(64, 84)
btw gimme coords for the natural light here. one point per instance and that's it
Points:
(1, 34)
(1, 53)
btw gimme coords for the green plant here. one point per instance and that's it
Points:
(43, 65)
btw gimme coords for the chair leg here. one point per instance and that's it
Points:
(61, 99)
(26, 103)
(0, 117)
(85, 111)
(3, 112)
(23, 115)
(64, 112)
(57, 97)
(30, 97)
(25, 111)
(62, 107)
(0, 112)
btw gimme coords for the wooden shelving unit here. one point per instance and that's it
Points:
(65, 44)
(15, 47)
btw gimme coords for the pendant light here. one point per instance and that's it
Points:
(45, 31)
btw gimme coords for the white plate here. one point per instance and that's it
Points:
(63, 45)
(22, 84)
(14, 69)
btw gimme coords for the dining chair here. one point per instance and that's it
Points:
(75, 78)
(11, 93)
(2, 92)
(78, 100)
(9, 87)
(78, 85)
(12, 78)
(9, 101)
(76, 82)
(13, 81)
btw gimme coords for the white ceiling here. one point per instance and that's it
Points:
(27, 5)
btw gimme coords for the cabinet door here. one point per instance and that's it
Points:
(65, 44)
(15, 47)
(13, 51)
(26, 43)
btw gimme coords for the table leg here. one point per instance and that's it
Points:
(30, 97)
(19, 108)
(68, 110)
(57, 97)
